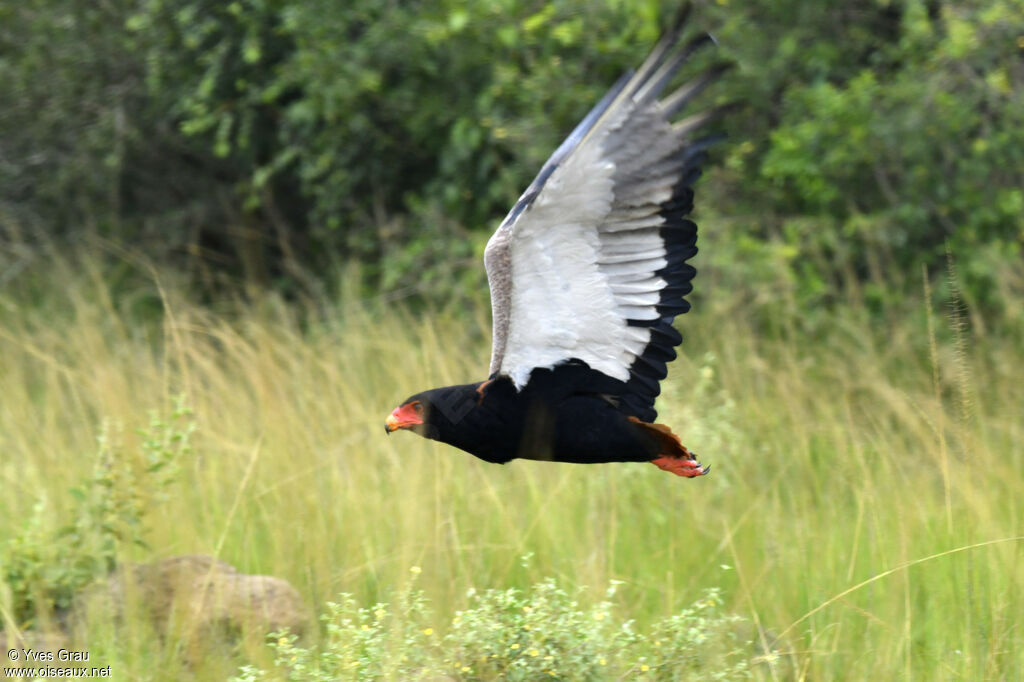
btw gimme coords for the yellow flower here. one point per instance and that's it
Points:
(598, 616)
(514, 646)
(365, 626)
(465, 668)
(526, 627)
(428, 631)
(282, 642)
(657, 642)
(415, 570)
(527, 609)
(645, 667)
(534, 652)
(603, 662)
(549, 658)
(380, 613)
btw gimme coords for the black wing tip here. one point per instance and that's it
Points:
(721, 111)
(678, 22)
(686, 93)
(720, 67)
(651, 366)
(717, 69)
(729, 107)
(698, 41)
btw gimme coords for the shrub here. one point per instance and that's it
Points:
(44, 568)
(545, 632)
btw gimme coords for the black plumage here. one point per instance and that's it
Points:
(587, 273)
(569, 413)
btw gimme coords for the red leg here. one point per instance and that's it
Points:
(680, 466)
(674, 455)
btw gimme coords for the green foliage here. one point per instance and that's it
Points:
(288, 136)
(44, 568)
(920, 149)
(545, 632)
(69, 110)
(401, 126)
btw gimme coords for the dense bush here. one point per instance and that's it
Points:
(284, 136)
(874, 170)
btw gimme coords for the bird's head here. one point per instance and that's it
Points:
(434, 413)
(411, 414)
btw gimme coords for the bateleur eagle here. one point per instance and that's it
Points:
(587, 273)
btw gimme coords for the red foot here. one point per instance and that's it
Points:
(680, 466)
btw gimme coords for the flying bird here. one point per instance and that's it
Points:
(587, 274)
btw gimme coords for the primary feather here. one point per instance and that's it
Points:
(590, 264)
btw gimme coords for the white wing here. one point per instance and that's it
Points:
(590, 262)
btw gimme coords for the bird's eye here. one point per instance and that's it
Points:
(418, 407)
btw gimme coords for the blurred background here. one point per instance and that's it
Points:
(271, 141)
(233, 235)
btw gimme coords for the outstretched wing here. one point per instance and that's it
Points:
(591, 261)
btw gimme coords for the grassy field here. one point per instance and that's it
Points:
(863, 514)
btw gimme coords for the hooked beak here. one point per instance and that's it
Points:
(403, 417)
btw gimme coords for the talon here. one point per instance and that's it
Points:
(688, 468)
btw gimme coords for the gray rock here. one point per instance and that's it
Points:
(196, 596)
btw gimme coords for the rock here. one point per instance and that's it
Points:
(196, 597)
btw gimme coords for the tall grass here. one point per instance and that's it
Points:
(849, 464)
